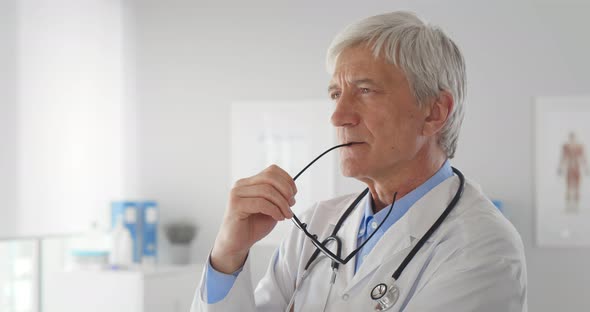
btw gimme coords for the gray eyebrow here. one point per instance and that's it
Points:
(334, 86)
(364, 80)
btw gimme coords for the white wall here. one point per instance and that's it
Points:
(8, 117)
(71, 114)
(62, 115)
(195, 58)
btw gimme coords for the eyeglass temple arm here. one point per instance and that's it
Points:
(322, 154)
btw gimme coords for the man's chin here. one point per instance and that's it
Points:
(350, 172)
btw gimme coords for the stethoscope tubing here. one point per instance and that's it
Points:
(311, 261)
(434, 227)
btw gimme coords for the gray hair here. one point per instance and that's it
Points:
(431, 61)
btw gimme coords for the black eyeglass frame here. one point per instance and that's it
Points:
(314, 238)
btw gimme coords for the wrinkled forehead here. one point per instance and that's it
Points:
(360, 63)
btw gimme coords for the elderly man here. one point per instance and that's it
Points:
(419, 238)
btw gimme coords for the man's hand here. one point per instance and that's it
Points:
(255, 206)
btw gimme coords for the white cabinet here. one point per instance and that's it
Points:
(168, 289)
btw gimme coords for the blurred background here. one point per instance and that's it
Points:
(111, 106)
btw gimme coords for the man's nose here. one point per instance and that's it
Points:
(345, 114)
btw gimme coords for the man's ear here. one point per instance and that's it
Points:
(438, 113)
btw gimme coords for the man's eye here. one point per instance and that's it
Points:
(365, 90)
(335, 95)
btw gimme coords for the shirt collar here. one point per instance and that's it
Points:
(402, 205)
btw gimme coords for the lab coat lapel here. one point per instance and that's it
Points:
(407, 231)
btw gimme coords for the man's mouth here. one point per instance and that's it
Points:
(353, 143)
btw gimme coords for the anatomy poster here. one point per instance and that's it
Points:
(562, 172)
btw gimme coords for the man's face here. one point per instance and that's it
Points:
(375, 107)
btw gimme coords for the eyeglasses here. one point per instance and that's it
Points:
(322, 245)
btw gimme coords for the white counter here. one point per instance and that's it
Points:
(164, 289)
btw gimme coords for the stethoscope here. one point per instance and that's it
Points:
(384, 294)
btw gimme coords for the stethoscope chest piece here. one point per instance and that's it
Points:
(385, 296)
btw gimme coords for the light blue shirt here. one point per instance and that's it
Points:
(219, 284)
(371, 220)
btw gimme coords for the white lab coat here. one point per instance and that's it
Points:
(474, 262)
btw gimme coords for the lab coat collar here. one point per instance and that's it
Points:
(405, 202)
(428, 209)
